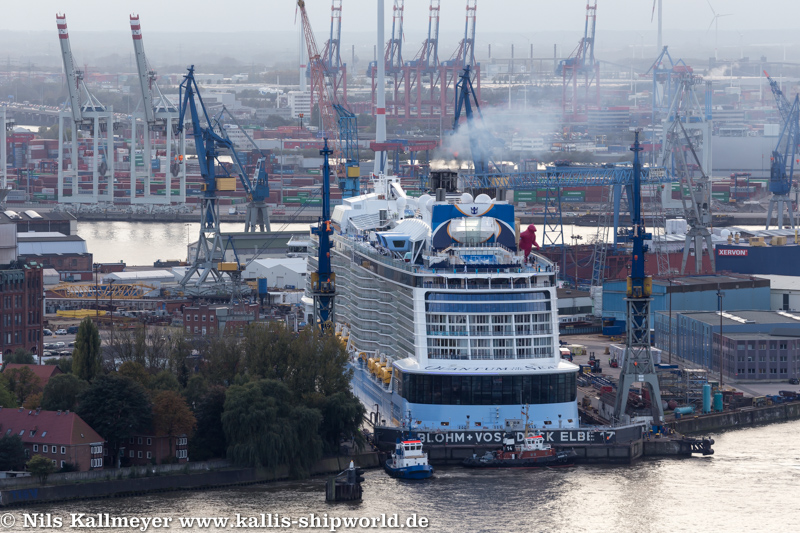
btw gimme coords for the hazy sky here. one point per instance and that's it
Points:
(518, 16)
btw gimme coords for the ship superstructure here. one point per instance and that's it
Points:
(448, 325)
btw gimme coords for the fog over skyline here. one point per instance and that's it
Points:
(264, 32)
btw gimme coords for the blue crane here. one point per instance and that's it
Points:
(323, 281)
(783, 104)
(480, 141)
(209, 257)
(782, 165)
(637, 366)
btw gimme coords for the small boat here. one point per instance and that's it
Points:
(409, 461)
(532, 453)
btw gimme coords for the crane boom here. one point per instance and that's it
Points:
(784, 107)
(146, 76)
(74, 77)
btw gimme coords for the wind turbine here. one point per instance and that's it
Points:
(715, 23)
(652, 15)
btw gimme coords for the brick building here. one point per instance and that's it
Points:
(204, 319)
(142, 449)
(61, 436)
(21, 301)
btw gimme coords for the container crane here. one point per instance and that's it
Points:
(638, 365)
(159, 115)
(323, 280)
(480, 141)
(345, 152)
(581, 63)
(335, 69)
(209, 257)
(92, 116)
(781, 170)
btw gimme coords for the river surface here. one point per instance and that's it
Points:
(750, 484)
(142, 243)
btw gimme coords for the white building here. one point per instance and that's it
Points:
(784, 292)
(527, 143)
(300, 102)
(281, 272)
(237, 136)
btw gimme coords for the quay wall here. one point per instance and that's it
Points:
(738, 418)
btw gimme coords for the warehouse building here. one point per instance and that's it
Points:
(756, 345)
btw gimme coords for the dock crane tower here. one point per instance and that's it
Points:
(686, 132)
(638, 365)
(780, 182)
(89, 115)
(782, 164)
(345, 151)
(209, 258)
(323, 280)
(581, 63)
(159, 118)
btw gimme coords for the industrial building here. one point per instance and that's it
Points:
(282, 273)
(784, 292)
(696, 293)
(756, 345)
(67, 254)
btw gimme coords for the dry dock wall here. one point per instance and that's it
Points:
(738, 418)
(116, 488)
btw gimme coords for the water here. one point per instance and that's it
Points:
(748, 485)
(142, 243)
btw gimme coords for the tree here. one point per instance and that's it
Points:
(223, 358)
(65, 364)
(136, 372)
(21, 382)
(7, 398)
(20, 356)
(195, 391)
(86, 356)
(342, 415)
(264, 427)
(209, 437)
(171, 416)
(62, 392)
(164, 380)
(12, 453)
(41, 467)
(115, 407)
(33, 401)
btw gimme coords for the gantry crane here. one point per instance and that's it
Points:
(638, 365)
(209, 258)
(335, 69)
(159, 118)
(90, 116)
(345, 151)
(581, 63)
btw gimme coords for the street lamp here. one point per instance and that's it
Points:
(96, 290)
(575, 239)
(720, 295)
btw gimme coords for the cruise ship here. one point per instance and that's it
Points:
(452, 331)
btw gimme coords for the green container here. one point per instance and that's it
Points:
(524, 196)
(582, 194)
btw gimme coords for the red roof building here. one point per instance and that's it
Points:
(43, 372)
(62, 437)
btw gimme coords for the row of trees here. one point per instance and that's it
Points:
(269, 398)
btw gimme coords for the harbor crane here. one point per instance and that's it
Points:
(86, 115)
(209, 257)
(159, 117)
(345, 151)
(638, 365)
(323, 280)
(581, 63)
(781, 169)
(783, 157)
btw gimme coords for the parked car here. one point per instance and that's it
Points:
(49, 345)
(72, 330)
(794, 381)
(47, 332)
(61, 331)
(59, 345)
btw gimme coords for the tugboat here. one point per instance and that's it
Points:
(532, 453)
(409, 461)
